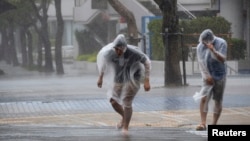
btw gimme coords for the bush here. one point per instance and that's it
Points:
(216, 24)
(156, 39)
(192, 30)
(87, 57)
(238, 49)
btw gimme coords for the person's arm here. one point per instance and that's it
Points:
(218, 53)
(101, 66)
(100, 79)
(147, 66)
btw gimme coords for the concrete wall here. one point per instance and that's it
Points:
(67, 10)
(231, 10)
(84, 13)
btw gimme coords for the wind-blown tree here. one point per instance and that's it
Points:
(30, 48)
(7, 26)
(8, 46)
(3, 42)
(130, 19)
(12, 45)
(41, 8)
(25, 18)
(7, 51)
(24, 24)
(170, 40)
(59, 35)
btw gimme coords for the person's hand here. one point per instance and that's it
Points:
(209, 45)
(210, 81)
(99, 82)
(146, 85)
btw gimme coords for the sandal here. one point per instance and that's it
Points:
(201, 127)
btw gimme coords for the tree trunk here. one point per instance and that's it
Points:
(1, 46)
(12, 46)
(130, 19)
(30, 49)
(39, 54)
(23, 47)
(43, 18)
(170, 38)
(5, 45)
(59, 35)
(47, 46)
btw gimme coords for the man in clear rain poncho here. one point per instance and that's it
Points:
(211, 55)
(124, 68)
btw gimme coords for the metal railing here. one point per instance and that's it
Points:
(186, 11)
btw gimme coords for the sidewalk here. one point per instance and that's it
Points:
(73, 108)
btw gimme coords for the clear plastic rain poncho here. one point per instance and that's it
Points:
(126, 71)
(204, 55)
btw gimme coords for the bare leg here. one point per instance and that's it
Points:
(203, 111)
(118, 108)
(127, 117)
(217, 112)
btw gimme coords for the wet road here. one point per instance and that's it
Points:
(35, 106)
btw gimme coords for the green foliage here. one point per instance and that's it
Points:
(216, 24)
(20, 15)
(87, 57)
(220, 26)
(156, 39)
(92, 58)
(52, 42)
(238, 49)
(192, 29)
(32, 68)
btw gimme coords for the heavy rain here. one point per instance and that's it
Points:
(52, 53)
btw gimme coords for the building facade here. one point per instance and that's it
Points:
(85, 15)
